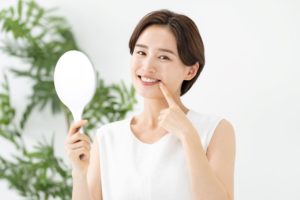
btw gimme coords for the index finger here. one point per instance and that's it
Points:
(168, 96)
(76, 126)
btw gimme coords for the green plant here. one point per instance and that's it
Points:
(38, 38)
(36, 173)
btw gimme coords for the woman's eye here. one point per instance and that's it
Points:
(141, 53)
(164, 58)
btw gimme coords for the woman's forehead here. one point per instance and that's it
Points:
(158, 37)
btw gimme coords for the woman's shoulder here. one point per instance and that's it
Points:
(207, 124)
(204, 118)
(209, 120)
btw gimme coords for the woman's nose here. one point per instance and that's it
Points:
(149, 65)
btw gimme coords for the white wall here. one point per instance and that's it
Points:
(250, 77)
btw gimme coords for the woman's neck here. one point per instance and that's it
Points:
(152, 107)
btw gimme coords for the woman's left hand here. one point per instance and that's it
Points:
(173, 119)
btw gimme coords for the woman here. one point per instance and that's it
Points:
(167, 151)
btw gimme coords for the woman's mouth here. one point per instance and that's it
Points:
(147, 81)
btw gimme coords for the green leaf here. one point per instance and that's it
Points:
(30, 8)
(12, 12)
(20, 6)
(38, 17)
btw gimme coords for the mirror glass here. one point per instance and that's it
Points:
(75, 81)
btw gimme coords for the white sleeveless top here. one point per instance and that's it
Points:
(134, 170)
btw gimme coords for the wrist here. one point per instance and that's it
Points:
(189, 135)
(79, 173)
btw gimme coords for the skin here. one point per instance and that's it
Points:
(155, 56)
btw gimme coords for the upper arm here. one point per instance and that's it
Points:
(93, 174)
(221, 155)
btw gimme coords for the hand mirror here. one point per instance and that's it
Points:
(75, 81)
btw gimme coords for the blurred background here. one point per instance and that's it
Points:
(251, 78)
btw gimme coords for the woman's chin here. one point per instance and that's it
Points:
(149, 94)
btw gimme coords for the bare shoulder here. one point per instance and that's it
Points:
(221, 149)
(224, 136)
(225, 126)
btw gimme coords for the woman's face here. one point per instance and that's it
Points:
(155, 58)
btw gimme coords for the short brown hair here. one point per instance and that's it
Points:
(189, 42)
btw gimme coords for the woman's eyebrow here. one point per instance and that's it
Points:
(167, 50)
(160, 49)
(141, 45)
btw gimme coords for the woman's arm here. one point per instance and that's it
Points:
(87, 185)
(80, 186)
(211, 175)
(93, 176)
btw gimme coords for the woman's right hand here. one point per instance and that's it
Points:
(78, 147)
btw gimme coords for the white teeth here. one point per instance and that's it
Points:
(145, 79)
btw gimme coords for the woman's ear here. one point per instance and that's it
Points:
(192, 71)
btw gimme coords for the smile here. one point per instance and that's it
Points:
(147, 81)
